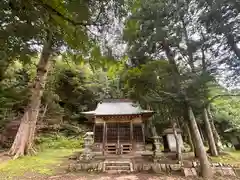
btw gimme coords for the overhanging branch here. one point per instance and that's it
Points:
(65, 18)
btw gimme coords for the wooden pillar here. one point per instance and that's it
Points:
(94, 133)
(131, 133)
(104, 137)
(143, 134)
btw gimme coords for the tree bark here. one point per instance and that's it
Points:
(196, 150)
(23, 143)
(44, 112)
(190, 141)
(189, 130)
(215, 133)
(205, 168)
(211, 141)
(201, 133)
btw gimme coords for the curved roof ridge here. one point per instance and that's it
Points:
(118, 107)
(117, 100)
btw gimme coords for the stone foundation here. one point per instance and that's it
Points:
(151, 167)
(156, 167)
(137, 167)
(86, 166)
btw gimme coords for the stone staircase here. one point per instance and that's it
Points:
(118, 166)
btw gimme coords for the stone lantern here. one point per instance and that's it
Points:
(87, 152)
(169, 140)
(157, 153)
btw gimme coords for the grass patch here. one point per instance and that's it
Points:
(52, 150)
(43, 163)
(232, 158)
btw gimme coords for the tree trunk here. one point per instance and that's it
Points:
(44, 112)
(201, 133)
(196, 150)
(205, 168)
(211, 141)
(178, 147)
(215, 133)
(190, 141)
(23, 143)
(189, 131)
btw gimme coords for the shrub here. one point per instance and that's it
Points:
(58, 141)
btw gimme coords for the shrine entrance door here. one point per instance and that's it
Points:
(118, 138)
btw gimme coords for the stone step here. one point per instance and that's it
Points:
(117, 171)
(125, 151)
(118, 168)
(118, 162)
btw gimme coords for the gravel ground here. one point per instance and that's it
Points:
(131, 177)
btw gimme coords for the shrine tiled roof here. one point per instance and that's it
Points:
(117, 107)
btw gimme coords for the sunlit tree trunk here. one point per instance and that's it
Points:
(23, 143)
(214, 130)
(211, 141)
(205, 168)
(201, 133)
(190, 141)
(196, 151)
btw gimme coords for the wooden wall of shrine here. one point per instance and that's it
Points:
(119, 131)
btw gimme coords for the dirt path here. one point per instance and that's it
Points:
(3, 156)
(139, 176)
(117, 177)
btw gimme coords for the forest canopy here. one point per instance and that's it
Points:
(179, 58)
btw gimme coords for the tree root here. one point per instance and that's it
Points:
(19, 152)
(32, 152)
(23, 143)
(18, 155)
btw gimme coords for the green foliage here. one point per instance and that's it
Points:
(59, 141)
(152, 85)
(76, 83)
(14, 92)
(226, 112)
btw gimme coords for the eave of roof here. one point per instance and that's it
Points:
(117, 107)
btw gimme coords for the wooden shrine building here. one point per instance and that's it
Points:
(118, 126)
